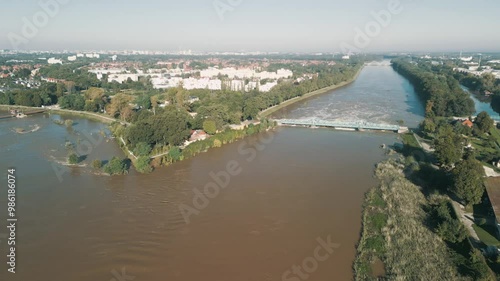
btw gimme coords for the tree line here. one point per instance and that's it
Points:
(441, 93)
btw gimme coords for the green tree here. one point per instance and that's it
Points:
(210, 127)
(448, 145)
(142, 149)
(495, 103)
(144, 101)
(23, 73)
(479, 266)
(94, 93)
(217, 143)
(143, 165)
(118, 103)
(484, 122)
(175, 153)
(429, 126)
(116, 166)
(97, 164)
(449, 227)
(73, 102)
(91, 106)
(168, 127)
(468, 181)
(6, 98)
(73, 159)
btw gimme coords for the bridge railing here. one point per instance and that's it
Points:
(340, 124)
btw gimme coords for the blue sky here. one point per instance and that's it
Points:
(254, 25)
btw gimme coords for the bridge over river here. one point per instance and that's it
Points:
(343, 125)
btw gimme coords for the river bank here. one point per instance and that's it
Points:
(89, 115)
(274, 204)
(271, 110)
(401, 220)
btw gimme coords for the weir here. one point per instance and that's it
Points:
(342, 125)
(13, 114)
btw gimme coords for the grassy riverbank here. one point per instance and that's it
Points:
(271, 110)
(412, 236)
(395, 232)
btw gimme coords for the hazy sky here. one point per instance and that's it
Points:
(252, 25)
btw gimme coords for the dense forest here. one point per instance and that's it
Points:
(440, 91)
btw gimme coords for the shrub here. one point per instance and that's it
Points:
(116, 167)
(97, 164)
(210, 127)
(73, 159)
(143, 165)
(175, 153)
(68, 123)
(58, 122)
(217, 143)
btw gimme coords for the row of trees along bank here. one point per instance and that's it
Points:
(441, 93)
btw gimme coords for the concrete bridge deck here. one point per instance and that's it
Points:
(342, 125)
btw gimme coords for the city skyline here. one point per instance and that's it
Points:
(244, 26)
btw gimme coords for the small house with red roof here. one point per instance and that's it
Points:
(468, 123)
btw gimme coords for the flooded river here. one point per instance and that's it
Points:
(281, 196)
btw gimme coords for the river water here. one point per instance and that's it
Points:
(482, 105)
(289, 189)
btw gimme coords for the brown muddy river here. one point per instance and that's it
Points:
(281, 206)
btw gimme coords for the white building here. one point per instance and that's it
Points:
(92, 56)
(101, 71)
(54, 61)
(215, 84)
(267, 87)
(120, 78)
(203, 83)
(72, 58)
(233, 73)
(252, 85)
(237, 85)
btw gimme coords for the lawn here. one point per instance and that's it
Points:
(496, 134)
(485, 235)
(487, 149)
(409, 140)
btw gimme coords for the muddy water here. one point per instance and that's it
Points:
(289, 191)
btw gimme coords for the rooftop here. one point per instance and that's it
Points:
(493, 189)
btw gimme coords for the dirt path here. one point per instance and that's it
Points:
(490, 172)
(466, 218)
